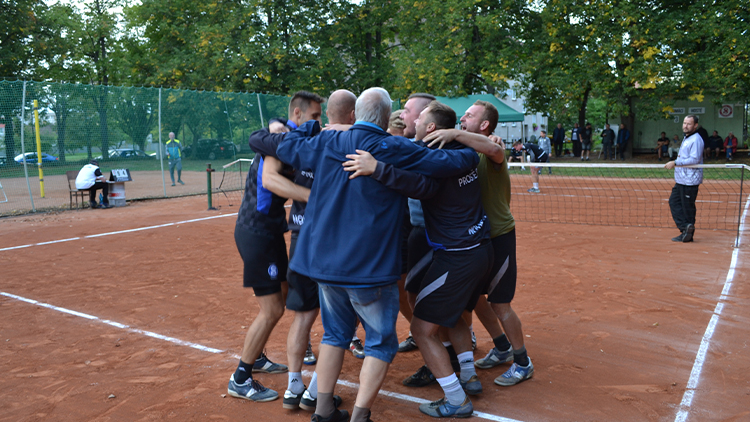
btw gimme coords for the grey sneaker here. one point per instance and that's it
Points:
(534, 190)
(515, 374)
(264, 365)
(495, 358)
(310, 358)
(251, 390)
(473, 386)
(443, 409)
(407, 345)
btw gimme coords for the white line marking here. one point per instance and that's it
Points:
(700, 358)
(177, 341)
(119, 232)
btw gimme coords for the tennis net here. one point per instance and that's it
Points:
(229, 187)
(625, 194)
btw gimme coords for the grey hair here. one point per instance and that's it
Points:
(374, 106)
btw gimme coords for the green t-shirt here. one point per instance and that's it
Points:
(495, 182)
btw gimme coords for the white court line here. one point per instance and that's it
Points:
(700, 358)
(118, 232)
(179, 342)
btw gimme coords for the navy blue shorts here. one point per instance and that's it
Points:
(264, 258)
(303, 291)
(501, 283)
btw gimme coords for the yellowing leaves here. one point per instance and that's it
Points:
(553, 47)
(697, 97)
(650, 52)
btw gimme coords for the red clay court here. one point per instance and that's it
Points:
(137, 325)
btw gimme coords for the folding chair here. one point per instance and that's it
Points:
(73, 191)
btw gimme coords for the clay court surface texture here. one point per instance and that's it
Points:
(104, 322)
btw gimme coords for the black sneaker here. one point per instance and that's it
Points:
(336, 416)
(688, 234)
(679, 238)
(291, 400)
(407, 345)
(422, 378)
(308, 403)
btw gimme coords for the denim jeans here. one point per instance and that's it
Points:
(376, 308)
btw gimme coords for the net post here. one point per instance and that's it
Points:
(23, 148)
(209, 170)
(38, 149)
(739, 212)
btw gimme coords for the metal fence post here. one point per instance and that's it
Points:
(209, 170)
(161, 151)
(23, 148)
(260, 110)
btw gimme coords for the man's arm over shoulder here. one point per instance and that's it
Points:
(437, 163)
(274, 181)
(407, 183)
(301, 147)
(264, 142)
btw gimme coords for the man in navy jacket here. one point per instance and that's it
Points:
(350, 242)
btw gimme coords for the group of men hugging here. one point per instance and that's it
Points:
(360, 252)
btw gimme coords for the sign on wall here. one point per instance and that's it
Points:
(677, 110)
(697, 110)
(726, 111)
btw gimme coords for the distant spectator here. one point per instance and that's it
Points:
(608, 137)
(396, 125)
(586, 141)
(536, 155)
(674, 147)
(623, 136)
(713, 145)
(703, 134)
(174, 155)
(575, 136)
(662, 146)
(730, 145)
(544, 144)
(558, 137)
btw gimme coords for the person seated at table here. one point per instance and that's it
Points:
(90, 178)
(662, 146)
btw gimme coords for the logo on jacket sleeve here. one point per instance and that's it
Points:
(273, 271)
(384, 145)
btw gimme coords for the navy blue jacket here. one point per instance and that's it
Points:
(352, 231)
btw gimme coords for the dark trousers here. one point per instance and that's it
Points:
(607, 150)
(105, 191)
(682, 205)
(558, 148)
(622, 147)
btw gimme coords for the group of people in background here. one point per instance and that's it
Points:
(712, 145)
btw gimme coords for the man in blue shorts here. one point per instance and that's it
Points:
(458, 232)
(357, 282)
(259, 235)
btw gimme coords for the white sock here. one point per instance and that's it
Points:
(466, 361)
(295, 384)
(313, 388)
(536, 185)
(452, 389)
(355, 337)
(447, 343)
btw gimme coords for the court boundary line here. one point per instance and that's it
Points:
(344, 383)
(92, 236)
(692, 385)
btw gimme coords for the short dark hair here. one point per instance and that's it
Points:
(94, 162)
(517, 143)
(490, 114)
(422, 95)
(302, 100)
(443, 116)
(694, 117)
(543, 131)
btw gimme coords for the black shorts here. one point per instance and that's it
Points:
(501, 283)
(453, 284)
(264, 258)
(303, 291)
(419, 257)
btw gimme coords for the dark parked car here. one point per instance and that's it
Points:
(211, 149)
